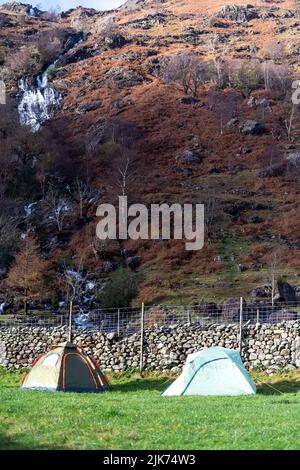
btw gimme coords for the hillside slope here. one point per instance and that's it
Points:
(122, 84)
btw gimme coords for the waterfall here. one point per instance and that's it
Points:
(37, 103)
(83, 319)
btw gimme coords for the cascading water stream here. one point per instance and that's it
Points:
(38, 103)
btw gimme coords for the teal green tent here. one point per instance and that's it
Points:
(213, 371)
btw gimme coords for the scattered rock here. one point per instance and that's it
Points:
(252, 127)
(233, 122)
(189, 157)
(134, 262)
(123, 77)
(189, 100)
(114, 41)
(213, 170)
(238, 13)
(84, 108)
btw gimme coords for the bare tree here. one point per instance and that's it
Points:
(122, 155)
(272, 159)
(275, 50)
(289, 121)
(125, 169)
(57, 206)
(186, 71)
(224, 105)
(53, 14)
(73, 283)
(82, 192)
(273, 272)
(293, 166)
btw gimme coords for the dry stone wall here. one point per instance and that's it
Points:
(271, 347)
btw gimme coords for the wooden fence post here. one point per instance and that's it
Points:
(142, 339)
(70, 321)
(118, 323)
(241, 325)
(257, 316)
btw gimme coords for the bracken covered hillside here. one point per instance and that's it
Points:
(197, 97)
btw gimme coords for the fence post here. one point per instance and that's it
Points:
(189, 316)
(118, 324)
(257, 316)
(70, 321)
(241, 325)
(142, 340)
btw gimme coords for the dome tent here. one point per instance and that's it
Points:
(213, 371)
(65, 368)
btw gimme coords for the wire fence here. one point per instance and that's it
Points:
(127, 321)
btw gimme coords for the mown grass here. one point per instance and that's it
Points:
(133, 415)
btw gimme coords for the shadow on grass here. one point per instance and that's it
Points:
(160, 384)
(16, 443)
(142, 384)
(282, 386)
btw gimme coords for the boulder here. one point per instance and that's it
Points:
(282, 315)
(214, 23)
(78, 54)
(189, 100)
(233, 122)
(213, 170)
(189, 157)
(133, 262)
(287, 292)
(262, 292)
(114, 41)
(252, 127)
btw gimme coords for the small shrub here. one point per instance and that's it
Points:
(121, 290)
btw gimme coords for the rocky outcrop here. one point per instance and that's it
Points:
(114, 41)
(286, 292)
(238, 13)
(123, 77)
(86, 107)
(21, 8)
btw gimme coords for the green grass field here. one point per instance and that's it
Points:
(133, 415)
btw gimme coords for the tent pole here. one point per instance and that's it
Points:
(70, 321)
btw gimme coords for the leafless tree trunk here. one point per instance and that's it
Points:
(57, 206)
(82, 192)
(289, 122)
